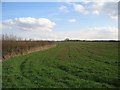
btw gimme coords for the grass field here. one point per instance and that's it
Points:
(68, 65)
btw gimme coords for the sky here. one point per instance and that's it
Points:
(60, 20)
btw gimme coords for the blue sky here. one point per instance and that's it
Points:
(73, 20)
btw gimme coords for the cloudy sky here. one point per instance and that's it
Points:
(58, 20)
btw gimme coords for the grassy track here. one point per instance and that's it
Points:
(69, 64)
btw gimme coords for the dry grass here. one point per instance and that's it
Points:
(14, 47)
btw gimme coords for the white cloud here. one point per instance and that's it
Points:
(108, 33)
(87, 1)
(80, 8)
(0, 25)
(108, 8)
(72, 20)
(111, 9)
(104, 0)
(59, 0)
(63, 8)
(29, 24)
(102, 33)
(95, 33)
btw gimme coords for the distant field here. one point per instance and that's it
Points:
(68, 65)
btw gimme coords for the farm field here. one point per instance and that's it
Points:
(67, 65)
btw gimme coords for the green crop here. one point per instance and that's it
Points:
(68, 65)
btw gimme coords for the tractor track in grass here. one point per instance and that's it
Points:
(22, 66)
(90, 57)
(67, 65)
(96, 57)
(65, 69)
(97, 60)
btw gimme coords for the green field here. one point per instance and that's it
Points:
(68, 65)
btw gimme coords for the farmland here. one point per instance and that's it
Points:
(67, 65)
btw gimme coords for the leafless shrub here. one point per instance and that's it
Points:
(12, 45)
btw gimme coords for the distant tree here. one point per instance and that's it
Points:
(67, 39)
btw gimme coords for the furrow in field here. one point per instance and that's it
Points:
(68, 65)
(94, 59)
